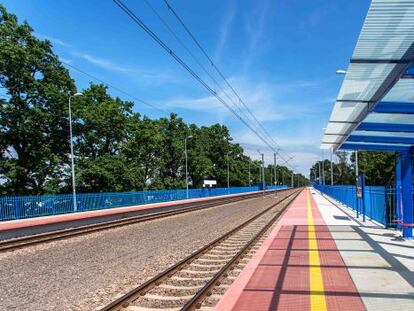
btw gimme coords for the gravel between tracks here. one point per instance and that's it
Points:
(86, 272)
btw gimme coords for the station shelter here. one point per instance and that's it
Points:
(374, 110)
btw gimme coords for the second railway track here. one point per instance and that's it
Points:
(16, 243)
(198, 281)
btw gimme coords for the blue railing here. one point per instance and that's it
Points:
(378, 200)
(19, 207)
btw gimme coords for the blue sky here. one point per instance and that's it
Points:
(280, 55)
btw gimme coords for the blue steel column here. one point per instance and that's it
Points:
(404, 190)
(398, 187)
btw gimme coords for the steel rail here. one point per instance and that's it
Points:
(125, 300)
(196, 302)
(15, 243)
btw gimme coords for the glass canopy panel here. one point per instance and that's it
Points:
(331, 139)
(347, 111)
(388, 30)
(363, 80)
(326, 146)
(378, 144)
(402, 91)
(398, 118)
(337, 128)
(383, 134)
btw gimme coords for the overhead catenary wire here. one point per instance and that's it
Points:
(203, 68)
(114, 87)
(154, 36)
(220, 73)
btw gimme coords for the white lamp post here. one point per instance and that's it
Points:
(75, 208)
(186, 163)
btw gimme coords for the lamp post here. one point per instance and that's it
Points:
(75, 207)
(263, 168)
(186, 163)
(332, 181)
(250, 180)
(275, 162)
(356, 164)
(228, 172)
(320, 173)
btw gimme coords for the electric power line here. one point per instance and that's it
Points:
(180, 20)
(114, 87)
(141, 24)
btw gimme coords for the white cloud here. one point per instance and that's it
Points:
(54, 40)
(225, 29)
(101, 62)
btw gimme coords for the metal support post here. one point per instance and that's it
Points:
(264, 182)
(250, 180)
(405, 184)
(332, 181)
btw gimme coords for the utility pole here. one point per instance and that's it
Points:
(186, 163)
(320, 173)
(291, 181)
(356, 164)
(274, 166)
(332, 181)
(263, 168)
(250, 180)
(228, 172)
(72, 159)
(323, 171)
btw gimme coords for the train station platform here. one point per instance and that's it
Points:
(318, 257)
(43, 224)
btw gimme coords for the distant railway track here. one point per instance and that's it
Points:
(16, 243)
(191, 283)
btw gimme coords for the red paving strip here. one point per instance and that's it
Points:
(281, 278)
(340, 291)
(47, 220)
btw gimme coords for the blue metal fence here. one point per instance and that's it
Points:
(379, 201)
(18, 207)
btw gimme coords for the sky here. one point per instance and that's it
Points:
(279, 55)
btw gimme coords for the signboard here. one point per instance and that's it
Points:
(360, 196)
(207, 183)
(360, 186)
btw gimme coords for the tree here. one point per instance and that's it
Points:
(378, 167)
(101, 128)
(33, 117)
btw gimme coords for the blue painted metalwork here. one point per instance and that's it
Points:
(385, 127)
(404, 192)
(394, 107)
(374, 147)
(18, 207)
(381, 139)
(376, 204)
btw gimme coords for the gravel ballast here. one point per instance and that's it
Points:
(86, 272)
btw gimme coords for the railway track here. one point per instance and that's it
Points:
(16, 243)
(198, 281)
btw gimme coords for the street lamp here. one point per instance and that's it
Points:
(274, 165)
(332, 181)
(341, 72)
(75, 208)
(186, 163)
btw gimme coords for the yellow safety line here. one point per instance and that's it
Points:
(317, 300)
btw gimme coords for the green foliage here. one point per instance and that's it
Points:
(33, 124)
(116, 149)
(378, 167)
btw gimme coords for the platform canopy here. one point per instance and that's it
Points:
(374, 109)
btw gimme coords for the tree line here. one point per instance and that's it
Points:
(116, 148)
(378, 167)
